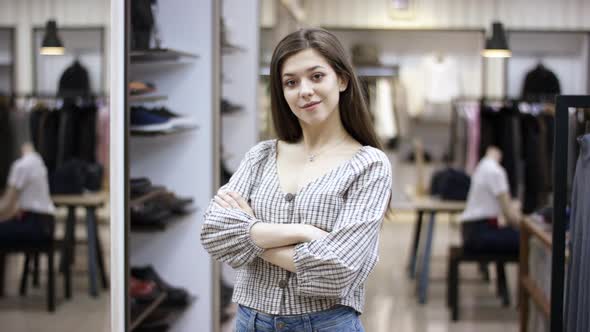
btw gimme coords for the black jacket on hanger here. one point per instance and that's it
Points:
(74, 81)
(540, 84)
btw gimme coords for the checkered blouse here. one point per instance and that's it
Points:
(348, 202)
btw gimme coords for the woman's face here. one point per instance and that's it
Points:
(311, 87)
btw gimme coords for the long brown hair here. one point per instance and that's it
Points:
(354, 113)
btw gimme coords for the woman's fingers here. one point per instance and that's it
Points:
(242, 202)
(221, 202)
(228, 200)
(233, 200)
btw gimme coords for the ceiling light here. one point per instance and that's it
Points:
(52, 44)
(497, 45)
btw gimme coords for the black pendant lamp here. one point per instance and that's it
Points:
(497, 45)
(52, 44)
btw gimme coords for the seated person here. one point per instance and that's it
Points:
(26, 208)
(487, 202)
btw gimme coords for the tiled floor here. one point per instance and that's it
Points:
(392, 306)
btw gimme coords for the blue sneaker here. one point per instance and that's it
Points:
(142, 120)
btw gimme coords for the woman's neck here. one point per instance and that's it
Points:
(315, 138)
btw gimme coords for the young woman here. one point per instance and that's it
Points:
(300, 218)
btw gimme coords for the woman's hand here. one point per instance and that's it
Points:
(311, 233)
(233, 200)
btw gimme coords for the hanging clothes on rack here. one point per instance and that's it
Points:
(74, 82)
(442, 85)
(578, 277)
(7, 148)
(464, 138)
(534, 154)
(540, 84)
(499, 126)
(383, 108)
(65, 135)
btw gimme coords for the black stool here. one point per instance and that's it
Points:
(456, 256)
(32, 249)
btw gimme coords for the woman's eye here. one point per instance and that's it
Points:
(318, 76)
(290, 83)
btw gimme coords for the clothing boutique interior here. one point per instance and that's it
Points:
(120, 121)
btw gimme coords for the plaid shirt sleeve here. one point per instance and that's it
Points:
(226, 231)
(332, 266)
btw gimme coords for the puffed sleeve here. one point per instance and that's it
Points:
(339, 262)
(225, 233)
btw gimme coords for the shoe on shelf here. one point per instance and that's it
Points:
(142, 186)
(143, 291)
(142, 120)
(176, 120)
(228, 108)
(140, 88)
(149, 213)
(178, 205)
(226, 45)
(177, 297)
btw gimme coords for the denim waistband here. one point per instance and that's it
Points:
(335, 319)
(341, 309)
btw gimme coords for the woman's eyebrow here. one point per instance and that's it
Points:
(307, 70)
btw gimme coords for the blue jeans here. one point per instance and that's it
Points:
(338, 319)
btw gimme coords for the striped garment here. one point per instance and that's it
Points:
(349, 202)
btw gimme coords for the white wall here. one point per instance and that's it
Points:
(182, 162)
(25, 15)
(240, 70)
(542, 14)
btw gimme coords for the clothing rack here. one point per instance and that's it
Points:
(53, 95)
(74, 98)
(560, 157)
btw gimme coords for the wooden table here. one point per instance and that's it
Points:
(421, 249)
(529, 289)
(90, 202)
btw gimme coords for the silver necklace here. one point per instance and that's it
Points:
(311, 157)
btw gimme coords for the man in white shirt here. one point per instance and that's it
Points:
(26, 208)
(487, 202)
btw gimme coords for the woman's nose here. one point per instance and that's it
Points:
(305, 88)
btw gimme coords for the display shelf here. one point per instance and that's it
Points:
(170, 315)
(160, 227)
(362, 71)
(377, 71)
(175, 131)
(141, 312)
(159, 55)
(186, 71)
(232, 49)
(146, 197)
(146, 98)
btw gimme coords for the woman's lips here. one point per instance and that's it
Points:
(311, 106)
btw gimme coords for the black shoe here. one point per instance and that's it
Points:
(139, 186)
(228, 108)
(177, 297)
(149, 213)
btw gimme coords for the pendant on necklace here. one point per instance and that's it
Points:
(311, 158)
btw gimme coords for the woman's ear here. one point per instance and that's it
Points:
(342, 83)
